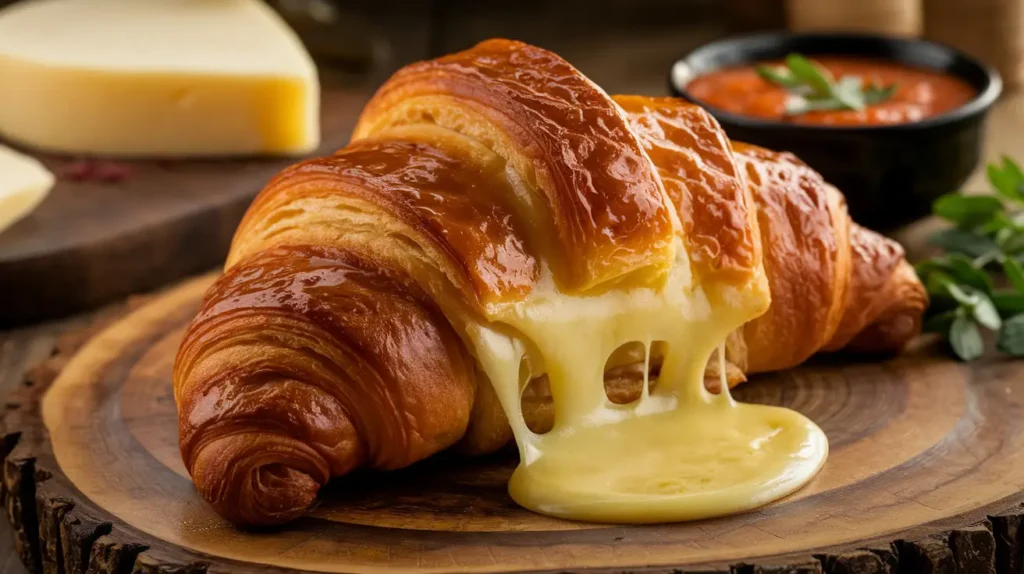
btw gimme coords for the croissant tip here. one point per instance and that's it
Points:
(274, 495)
(255, 486)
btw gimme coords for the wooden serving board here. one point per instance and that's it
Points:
(94, 241)
(926, 474)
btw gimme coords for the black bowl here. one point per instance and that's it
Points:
(890, 174)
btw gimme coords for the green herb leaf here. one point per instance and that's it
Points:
(962, 294)
(967, 210)
(1014, 272)
(985, 313)
(1011, 336)
(965, 338)
(927, 266)
(1007, 179)
(978, 303)
(963, 270)
(779, 75)
(999, 181)
(956, 267)
(940, 322)
(876, 94)
(848, 91)
(956, 240)
(818, 78)
(1013, 243)
(1014, 171)
(997, 223)
(1008, 302)
(937, 283)
(1003, 236)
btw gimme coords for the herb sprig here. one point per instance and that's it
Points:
(812, 87)
(979, 282)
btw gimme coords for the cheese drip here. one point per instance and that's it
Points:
(679, 452)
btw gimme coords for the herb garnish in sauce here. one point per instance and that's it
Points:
(812, 87)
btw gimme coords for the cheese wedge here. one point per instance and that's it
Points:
(155, 78)
(24, 183)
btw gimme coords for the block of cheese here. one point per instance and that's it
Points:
(165, 78)
(24, 183)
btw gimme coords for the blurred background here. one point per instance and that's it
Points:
(627, 45)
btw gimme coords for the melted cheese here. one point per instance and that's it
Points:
(679, 452)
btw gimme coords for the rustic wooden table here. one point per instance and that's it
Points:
(20, 349)
(24, 347)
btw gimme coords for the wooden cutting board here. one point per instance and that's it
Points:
(926, 474)
(94, 241)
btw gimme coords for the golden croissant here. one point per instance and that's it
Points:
(336, 338)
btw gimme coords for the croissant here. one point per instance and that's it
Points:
(340, 335)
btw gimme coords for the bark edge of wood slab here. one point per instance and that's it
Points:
(91, 243)
(58, 529)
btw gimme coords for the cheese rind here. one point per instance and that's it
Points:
(156, 78)
(24, 183)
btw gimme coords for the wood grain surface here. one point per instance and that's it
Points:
(111, 229)
(925, 473)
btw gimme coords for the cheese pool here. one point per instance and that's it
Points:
(678, 453)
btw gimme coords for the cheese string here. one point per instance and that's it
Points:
(646, 391)
(723, 379)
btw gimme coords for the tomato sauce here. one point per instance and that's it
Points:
(920, 93)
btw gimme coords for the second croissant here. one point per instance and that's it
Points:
(504, 252)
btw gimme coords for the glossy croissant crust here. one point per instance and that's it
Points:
(336, 338)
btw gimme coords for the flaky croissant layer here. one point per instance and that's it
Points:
(337, 337)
